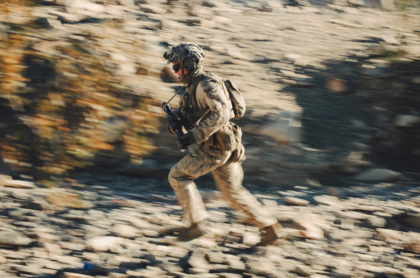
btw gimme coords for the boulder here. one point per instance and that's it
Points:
(413, 246)
(74, 275)
(263, 268)
(208, 23)
(141, 224)
(152, 9)
(357, 3)
(284, 127)
(295, 201)
(389, 235)
(234, 52)
(304, 270)
(61, 198)
(125, 231)
(83, 6)
(271, 5)
(412, 220)
(390, 39)
(53, 249)
(66, 17)
(388, 5)
(308, 226)
(16, 183)
(336, 85)
(198, 261)
(31, 269)
(32, 205)
(127, 3)
(251, 239)
(222, 20)
(340, 2)
(14, 238)
(406, 120)
(377, 175)
(309, 230)
(19, 194)
(210, 3)
(254, 5)
(104, 243)
(55, 2)
(415, 80)
(193, 21)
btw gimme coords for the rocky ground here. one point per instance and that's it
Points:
(315, 137)
(97, 231)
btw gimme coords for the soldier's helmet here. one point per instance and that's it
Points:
(183, 51)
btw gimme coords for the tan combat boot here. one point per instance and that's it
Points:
(196, 230)
(172, 230)
(271, 233)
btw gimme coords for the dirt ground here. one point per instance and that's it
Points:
(330, 133)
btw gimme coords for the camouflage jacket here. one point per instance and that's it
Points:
(213, 95)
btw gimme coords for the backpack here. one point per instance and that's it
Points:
(238, 101)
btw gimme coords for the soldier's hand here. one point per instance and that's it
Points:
(163, 105)
(185, 141)
(178, 112)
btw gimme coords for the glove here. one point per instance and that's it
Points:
(185, 141)
(163, 105)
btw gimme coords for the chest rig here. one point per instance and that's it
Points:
(228, 137)
(191, 114)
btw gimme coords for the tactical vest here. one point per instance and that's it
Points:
(192, 115)
(224, 138)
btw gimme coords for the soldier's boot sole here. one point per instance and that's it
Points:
(193, 232)
(172, 230)
(271, 234)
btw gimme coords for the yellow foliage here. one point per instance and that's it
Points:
(83, 108)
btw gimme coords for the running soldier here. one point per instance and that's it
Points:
(206, 109)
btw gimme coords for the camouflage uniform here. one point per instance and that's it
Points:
(228, 176)
(210, 158)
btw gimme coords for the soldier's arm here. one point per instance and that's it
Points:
(211, 94)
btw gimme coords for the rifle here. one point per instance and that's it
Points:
(176, 124)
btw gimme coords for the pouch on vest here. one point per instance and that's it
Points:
(238, 154)
(229, 137)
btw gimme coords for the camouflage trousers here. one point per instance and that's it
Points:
(228, 177)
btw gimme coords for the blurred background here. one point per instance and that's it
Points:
(331, 88)
(333, 107)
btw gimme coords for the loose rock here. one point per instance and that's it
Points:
(14, 238)
(295, 201)
(377, 175)
(103, 244)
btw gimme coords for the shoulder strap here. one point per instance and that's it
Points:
(192, 94)
(199, 78)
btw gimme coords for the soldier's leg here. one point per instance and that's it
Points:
(181, 178)
(229, 181)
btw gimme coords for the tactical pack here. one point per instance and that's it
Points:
(238, 101)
